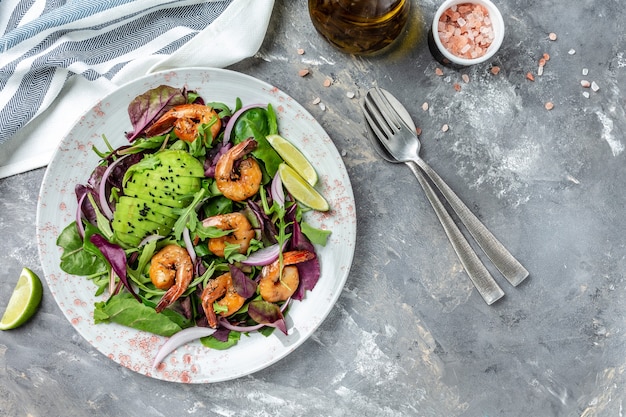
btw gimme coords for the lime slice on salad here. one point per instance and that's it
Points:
(23, 302)
(300, 189)
(293, 157)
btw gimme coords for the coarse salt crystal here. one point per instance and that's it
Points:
(425, 106)
(586, 94)
(585, 83)
(350, 94)
(540, 70)
(594, 86)
(460, 25)
(322, 106)
(317, 100)
(445, 128)
(571, 52)
(585, 71)
(465, 78)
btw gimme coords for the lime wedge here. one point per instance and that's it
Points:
(300, 189)
(23, 302)
(293, 157)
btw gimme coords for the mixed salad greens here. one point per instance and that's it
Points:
(161, 191)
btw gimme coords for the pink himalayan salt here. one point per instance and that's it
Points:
(465, 30)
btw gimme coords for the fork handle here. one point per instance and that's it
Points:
(506, 263)
(478, 273)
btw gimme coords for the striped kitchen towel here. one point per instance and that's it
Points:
(58, 57)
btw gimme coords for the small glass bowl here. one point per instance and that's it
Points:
(443, 55)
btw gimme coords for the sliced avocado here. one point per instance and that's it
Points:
(173, 201)
(137, 208)
(164, 186)
(180, 163)
(139, 227)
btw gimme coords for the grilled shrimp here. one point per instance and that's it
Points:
(276, 285)
(171, 269)
(241, 233)
(185, 119)
(220, 289)
(238, 182)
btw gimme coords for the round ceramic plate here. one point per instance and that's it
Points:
(193, 363)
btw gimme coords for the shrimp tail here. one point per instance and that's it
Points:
(169, 297)
(298, 256)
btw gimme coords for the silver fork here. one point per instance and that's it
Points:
(398, 142)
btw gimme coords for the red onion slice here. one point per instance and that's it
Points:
(263, 256)
(104, 204)
(278, 194)
(79, 216)
(228, 130)
(179, 339)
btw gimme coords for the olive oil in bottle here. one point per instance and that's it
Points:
(359, 26)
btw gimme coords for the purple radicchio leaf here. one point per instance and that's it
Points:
(268, 229)
(116, 257)
(87, 209)
(268, 314)
(213, 156)
(221, 334)
(146, 108)
(244, 286)
(308, 271)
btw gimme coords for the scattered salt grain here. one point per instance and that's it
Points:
(549, 105)
(303, 72)
(540, 70)
(594, 86)
(300, 51)
(322, 106)
(317, 100)
(350, 94)
(571, 52)
(552, 36)
(465, 78)
(586, 94)
(445, 128)
(425, 106)
(585, 83)
(585, 71)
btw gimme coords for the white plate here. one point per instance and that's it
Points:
(193, 363)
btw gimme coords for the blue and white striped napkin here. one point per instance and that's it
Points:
(58, 57)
